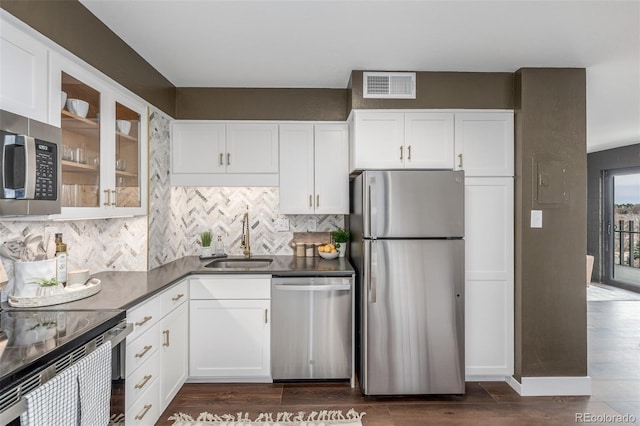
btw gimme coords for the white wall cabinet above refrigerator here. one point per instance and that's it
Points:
(397, 140)
(484, 143)
(217, 153)
(314, 175)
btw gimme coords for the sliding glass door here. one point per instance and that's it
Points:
(622, 227)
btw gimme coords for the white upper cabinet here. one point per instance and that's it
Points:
(23, 73)
(484, 143)
(217, 153)
(197, 147)
(252, 148)
(296, 169)
(331, 152)
(428, 140)
(377, 140)
(314, 176)
(399, 140)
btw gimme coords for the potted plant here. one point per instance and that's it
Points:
(205, 242)
(341, 238)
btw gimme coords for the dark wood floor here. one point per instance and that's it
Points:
(614, 365)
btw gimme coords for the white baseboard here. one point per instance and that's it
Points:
(486, 378)
(551, 386)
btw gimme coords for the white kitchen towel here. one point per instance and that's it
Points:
(55, 403)
(94, 379)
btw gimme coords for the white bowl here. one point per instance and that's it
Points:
(63, 99)
(328, 255)
(123, 126)
(78, 107)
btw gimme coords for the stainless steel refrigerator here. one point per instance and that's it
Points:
(408, 251)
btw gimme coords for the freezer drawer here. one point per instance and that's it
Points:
(311, 328)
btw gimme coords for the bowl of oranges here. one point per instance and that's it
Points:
(328, 251)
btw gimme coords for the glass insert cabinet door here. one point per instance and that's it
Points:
(127, 158)
(80, 125)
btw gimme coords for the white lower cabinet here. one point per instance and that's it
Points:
(175, 329)
(489, 306)
(230, 329)
(156, 354)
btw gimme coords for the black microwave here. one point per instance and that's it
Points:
(30, 167)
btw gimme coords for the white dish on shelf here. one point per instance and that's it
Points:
(123, 126)
(78, 107)
(63, 99)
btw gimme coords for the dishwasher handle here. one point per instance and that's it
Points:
(330, 287)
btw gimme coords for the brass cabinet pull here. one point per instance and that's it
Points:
(400, 152)
(266, 316)
(178, 297)
(143, 382)
(144, 412)
(228, 159)
(460, 162)
(221, 159)
(147, 318)
(113, 191)
(166, 338)
(146, 349)
(409, 153)
(108, 197)
(318, 200)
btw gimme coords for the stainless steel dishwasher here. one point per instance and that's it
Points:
(312, 328)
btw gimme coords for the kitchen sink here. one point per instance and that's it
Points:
(239, 263)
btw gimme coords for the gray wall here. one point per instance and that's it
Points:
(597, 163)
(550, 263)
(72, 26)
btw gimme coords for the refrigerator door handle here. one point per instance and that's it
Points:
(372, 207)
(373, 267)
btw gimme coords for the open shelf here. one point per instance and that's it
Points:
(125, 174)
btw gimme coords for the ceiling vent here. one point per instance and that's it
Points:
(389, 85)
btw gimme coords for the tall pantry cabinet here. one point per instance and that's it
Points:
(484, 150)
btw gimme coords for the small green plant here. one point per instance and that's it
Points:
(51, 282)
(340, 236)
(206, 238)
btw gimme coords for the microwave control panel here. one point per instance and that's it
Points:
(46, 171)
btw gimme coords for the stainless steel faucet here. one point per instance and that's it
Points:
(246, 243)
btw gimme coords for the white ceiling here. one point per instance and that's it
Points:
(305, 43)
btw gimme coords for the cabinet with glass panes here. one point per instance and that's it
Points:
(103, 152)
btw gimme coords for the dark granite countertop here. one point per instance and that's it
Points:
(45, 333)
(123, 290)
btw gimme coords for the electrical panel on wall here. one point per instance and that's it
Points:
(549, 183)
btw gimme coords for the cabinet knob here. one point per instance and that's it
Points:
(317, 200)
(166, 338)
(400, 152)
(221, 159)
(114, 202)
(460, 160)
(310, 200)
(228, 159)
(178, 297)
(107, 197)
(409, 153)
